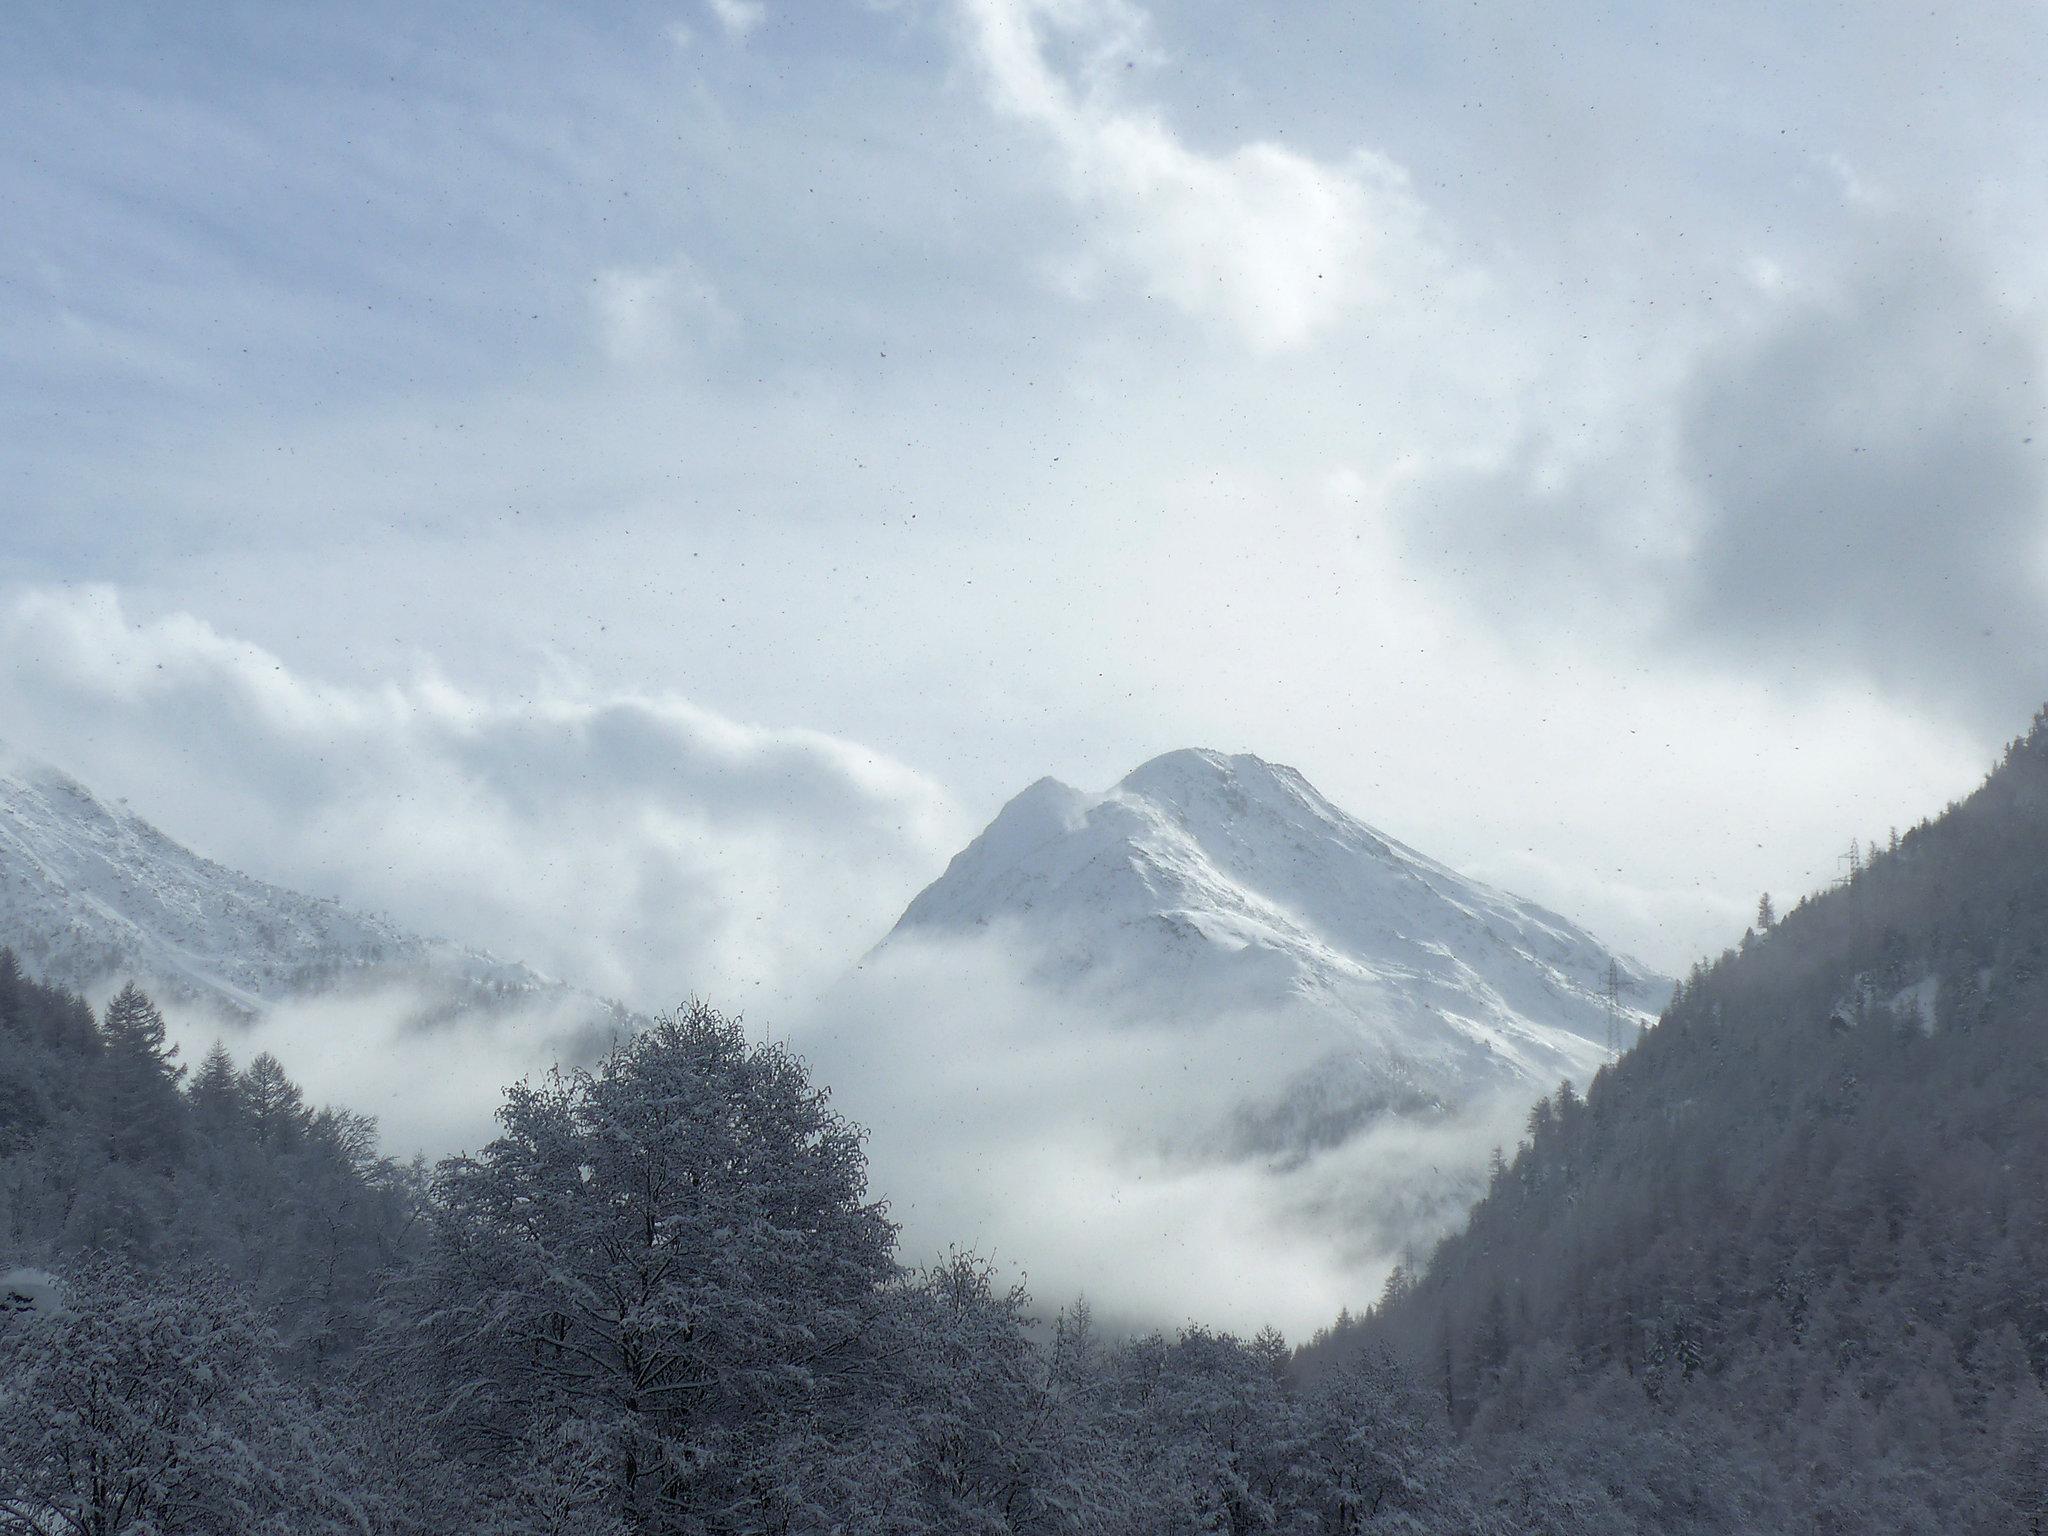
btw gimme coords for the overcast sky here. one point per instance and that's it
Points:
(637, 485)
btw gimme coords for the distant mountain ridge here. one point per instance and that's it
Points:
(91, 892)
(1206, 884)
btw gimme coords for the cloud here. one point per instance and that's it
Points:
(632, 843)
(739, 18)
(1085, 1148)
(1103, 1151)
(433, 1091)
(1847, 482)
(1856, 188)
(653, 314)
(1868, 488)
(1271, 243)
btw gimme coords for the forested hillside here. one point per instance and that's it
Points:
(110, 1146)
(1801, 1230)
(662, 1301)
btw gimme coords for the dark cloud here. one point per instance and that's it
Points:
(1853, 486)
(1869, 492)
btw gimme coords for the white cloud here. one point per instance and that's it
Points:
(653, 314)
(433, 1091)
(633, 843)
(1101, 1151)
(1857, 189)
(1270, 242)
(738, 17)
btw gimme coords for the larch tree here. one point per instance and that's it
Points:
(140, 1075)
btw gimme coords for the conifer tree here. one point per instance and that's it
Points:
(140, 1077)
(219, 1106)
(10, 989)
(275, 1103)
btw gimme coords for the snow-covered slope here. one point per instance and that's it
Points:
(1208, 886)
(91, 893)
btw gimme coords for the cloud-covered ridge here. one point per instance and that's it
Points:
(634, 843)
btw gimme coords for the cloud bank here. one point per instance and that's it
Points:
(1102, 1152)
(1868, 486)
(634, 844)
(433, 1092)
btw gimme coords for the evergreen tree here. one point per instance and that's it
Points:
(275, 1103)
(220, 1108)
(139, 1077)
(11, 985)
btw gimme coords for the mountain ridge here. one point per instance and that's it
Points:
(92, 892)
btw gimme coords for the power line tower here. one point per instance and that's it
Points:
(1612, 995)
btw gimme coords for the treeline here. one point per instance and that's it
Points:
(1801, 1231)
(110, 1145)
(661, 1301)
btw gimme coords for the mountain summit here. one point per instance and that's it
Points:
(1205, 885)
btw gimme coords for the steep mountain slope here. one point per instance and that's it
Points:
(1205, 886)
(91, 892)
(1807, 1215)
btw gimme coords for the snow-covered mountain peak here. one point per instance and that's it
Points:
(1210, 979)
(1047, 809)
(1196, 777)
(1204, 883)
